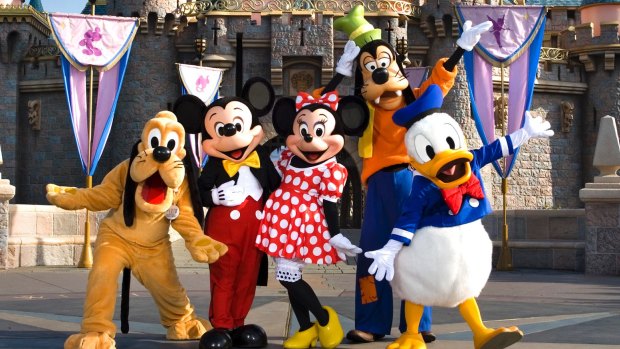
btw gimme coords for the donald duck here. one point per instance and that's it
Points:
(439, 253)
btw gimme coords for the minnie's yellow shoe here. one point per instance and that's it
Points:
(302, 339)
(331, 334)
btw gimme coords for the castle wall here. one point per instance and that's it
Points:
(151, 83)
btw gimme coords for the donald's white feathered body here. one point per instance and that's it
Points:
(439, 253)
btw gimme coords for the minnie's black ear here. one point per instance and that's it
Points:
(190, 112)
(283, 116)
(259, 94)
(354, 113)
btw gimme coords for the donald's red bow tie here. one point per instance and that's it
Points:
(454, 196)
(330, 99)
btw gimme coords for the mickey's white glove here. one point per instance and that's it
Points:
(228, 194)
(533, 127)
(383, 264)
(343, 246)
(471, 35)
(345, 64)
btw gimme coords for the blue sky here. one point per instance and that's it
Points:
(69, 6)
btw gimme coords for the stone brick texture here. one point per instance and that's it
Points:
(602, 249)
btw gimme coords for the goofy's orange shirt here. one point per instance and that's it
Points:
(388, 145)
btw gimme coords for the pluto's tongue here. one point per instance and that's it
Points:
(450, 171)
(236, 154)
(154, 189)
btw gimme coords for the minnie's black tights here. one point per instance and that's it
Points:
(304, 301)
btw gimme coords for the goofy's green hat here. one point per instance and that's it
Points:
(357, 27)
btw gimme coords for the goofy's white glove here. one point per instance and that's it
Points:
(383, 264)
(471, 35)
(532, 128)
(343, 246)
(345, 64)
(228, 194)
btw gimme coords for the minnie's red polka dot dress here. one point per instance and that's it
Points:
(293, 224)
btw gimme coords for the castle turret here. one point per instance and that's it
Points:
(142, 8)
(598, 55)
(598, 12)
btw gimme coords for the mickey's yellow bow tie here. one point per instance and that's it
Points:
(232, 167)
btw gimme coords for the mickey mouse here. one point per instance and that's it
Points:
(235, 183)
(300, 225)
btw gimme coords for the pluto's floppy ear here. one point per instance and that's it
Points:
(283, 116)
(129, 201)
(259, 93)
(191, 173)
(354, 113)
(190, 112)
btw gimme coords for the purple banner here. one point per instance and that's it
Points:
(513, 43)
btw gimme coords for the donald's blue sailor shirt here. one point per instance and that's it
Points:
(426, 207)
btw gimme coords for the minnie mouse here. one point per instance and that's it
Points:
(300, 225)
(234, 185)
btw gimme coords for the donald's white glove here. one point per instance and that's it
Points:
(345, 64)
(343, 246)
(471, 35)
(532, 128)
(383, 264)
(228, 194)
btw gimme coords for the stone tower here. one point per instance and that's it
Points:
(595, 44)
(141, 8)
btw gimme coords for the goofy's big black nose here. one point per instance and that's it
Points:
(380, 76)
(161, 154)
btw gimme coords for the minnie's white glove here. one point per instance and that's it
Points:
(228, 194)
(343, 246)
(471, 35)
(383, 264)
(532, 128)
(345, 64)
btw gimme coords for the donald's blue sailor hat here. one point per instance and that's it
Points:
(428, 103)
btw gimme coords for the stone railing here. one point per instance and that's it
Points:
(553, 55)
(203, 7)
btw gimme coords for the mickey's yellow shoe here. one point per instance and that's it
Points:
(331, 334)
(302, 339)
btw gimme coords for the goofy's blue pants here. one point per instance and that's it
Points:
(373, 299)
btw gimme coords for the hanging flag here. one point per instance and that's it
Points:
(416, 75)
(514, 41)
(204, 83)
(104, 43)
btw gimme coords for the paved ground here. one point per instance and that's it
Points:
(40, 307)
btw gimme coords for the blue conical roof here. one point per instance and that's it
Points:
(37, 5)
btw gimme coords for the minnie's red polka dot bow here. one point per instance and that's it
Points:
(329, 99)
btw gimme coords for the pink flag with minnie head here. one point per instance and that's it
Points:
(101, 42)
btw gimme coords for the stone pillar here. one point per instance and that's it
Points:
(602, 200)
(7, 191)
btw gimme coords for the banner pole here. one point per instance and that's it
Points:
(505, 256)
(86, 258)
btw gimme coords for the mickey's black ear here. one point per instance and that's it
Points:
(190, 112)
(283, 116)
(259, 93)
(355, 115)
